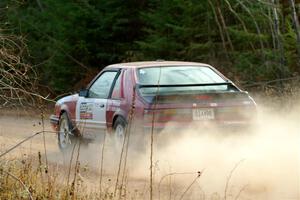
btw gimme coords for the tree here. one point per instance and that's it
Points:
(68, 39)
(232, 33)
(17, 80)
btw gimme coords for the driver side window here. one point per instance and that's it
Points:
(101, 87)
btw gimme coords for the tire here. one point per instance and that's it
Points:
(65, 136)
(137, 139)
(119, 131)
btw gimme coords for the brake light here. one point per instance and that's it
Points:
(204, 97)
(163, 115)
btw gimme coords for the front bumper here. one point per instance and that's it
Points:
(54, 121)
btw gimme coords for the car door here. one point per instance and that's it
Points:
(91, 109)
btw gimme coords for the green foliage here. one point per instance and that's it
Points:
(69, 39)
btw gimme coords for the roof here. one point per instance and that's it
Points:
(154, 64)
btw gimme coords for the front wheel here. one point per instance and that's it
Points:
(66, 138)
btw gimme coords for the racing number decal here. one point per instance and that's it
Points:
(86, 110)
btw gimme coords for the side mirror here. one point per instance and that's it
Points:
(83, 92)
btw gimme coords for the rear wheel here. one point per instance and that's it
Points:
(119, 131)
(137, 141)
(66, 138)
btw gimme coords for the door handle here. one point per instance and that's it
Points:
(102, 105)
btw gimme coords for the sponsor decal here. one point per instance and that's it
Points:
(86, 110)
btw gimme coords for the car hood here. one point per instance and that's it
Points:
(69, 98)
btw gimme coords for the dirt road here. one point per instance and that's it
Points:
(14, 128)
(261, 165)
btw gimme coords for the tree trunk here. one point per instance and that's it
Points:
(219, 27)
(296, 25)
(40, 5)
(219, 11)
(279, 45)
(240, 20)
(255, 23)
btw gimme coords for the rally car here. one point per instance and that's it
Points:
(152, 94)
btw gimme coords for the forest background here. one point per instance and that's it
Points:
(66, 42)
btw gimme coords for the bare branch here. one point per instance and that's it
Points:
(18, 80)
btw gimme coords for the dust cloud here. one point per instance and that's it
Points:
(261, 163)
(258, 163)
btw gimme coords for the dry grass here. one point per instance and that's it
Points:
(32, 177)
(28, 177)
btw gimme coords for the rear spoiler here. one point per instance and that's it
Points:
(186, 85)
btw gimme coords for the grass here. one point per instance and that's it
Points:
(29, 177)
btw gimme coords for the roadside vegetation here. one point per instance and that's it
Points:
(68, 42)
(51, 47)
